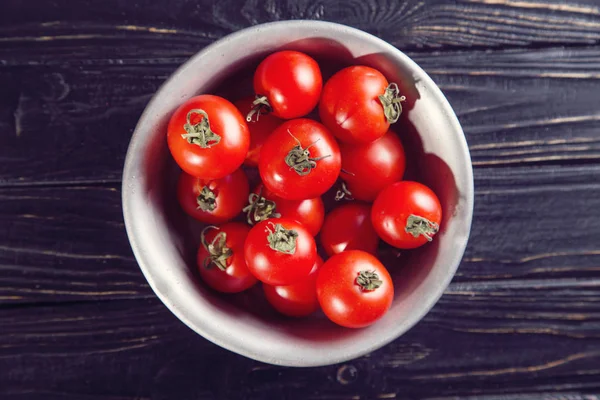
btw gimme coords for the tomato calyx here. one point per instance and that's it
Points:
(218, 252)
(207, 200)
(260, 106)
(200, 133)
(392, 103)
(281, 239)
(299, 159)
(343, 193)
(417, 226)
(368, 280)
(259, 208)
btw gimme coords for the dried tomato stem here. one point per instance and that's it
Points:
(259, 208)
(260, 106)
(281, 239)
(343, 193)
(206, 200)
(417, 226)
(299, 158)
(368, 280)
(218, 252)
(200, 133)
(392, 103)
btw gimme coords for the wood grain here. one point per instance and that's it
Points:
(517, 107)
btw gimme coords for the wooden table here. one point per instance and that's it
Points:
(522, 316)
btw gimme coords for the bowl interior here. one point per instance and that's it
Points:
(165, 241)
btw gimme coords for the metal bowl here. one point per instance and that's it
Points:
(164, 242)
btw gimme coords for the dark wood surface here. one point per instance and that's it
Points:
(522, 316)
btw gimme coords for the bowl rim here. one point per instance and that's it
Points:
(131, 165)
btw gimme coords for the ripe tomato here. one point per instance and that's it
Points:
(300, 160)
(208, 137)
(298, 299)
(406, 214)
(260, 129)
(348, 227)
(354, 289)
(263, 204)
(220, 259)
(213, 201)
(368, 168)
(358, 104)
(288, 84)
(280, 251)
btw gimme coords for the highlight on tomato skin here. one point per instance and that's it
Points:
(220, 258)
(354, 289)
(407, 214)
(208, 137)
(298, 299)
(213, 201)
(349, 227)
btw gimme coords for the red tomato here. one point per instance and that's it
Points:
(264, 205)
(288, 84)
(354, 289)
(406, 214)
(298, 299)
(358, 104)
(300, 160)
(348, 227)
(368, 168)
(213, 201)
(208, 137)
(260, 129)
(221, 260)
(280, 251)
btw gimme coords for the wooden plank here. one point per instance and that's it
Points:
(125, 29)
(531, 226)
(135, 349)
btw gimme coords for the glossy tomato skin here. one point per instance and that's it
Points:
(348, 227)
(343, 300)
(370, 167)
(230, 196)
(393, 207)
(260, 129)
(219, 159)
(291, 81)
(279, 268)
(285, 181)
(236, 278)
(298, 299)
(350, 105)
(309, 212)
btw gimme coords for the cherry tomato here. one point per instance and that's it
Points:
(220, 259)
(288, 84)
(354, 289)
(368, 168)
(208, 137)
(298, 299)
(260, 129)
(406, 214)
(263, 204)
(358, 104)
(300, 160)
(348, 227)
(280, 251)
(213, 201)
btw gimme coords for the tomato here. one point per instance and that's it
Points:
(358, 104)
(260, 129)
(298, 299)
(288, 84)
(368, 168)
(300, 160)
(406, 214)
(263, 204)
(213, 201)
(208, 137)
(348, 227)
(220, 259)
(354, 289)
(280, 251)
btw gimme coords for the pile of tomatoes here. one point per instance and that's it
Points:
(275, 223)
